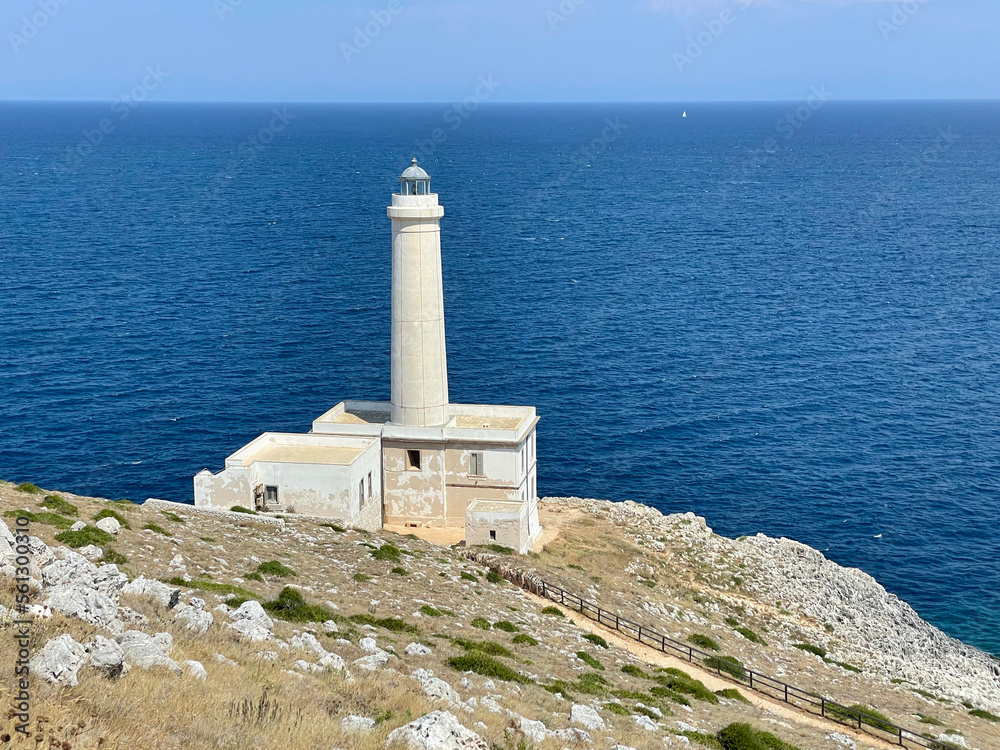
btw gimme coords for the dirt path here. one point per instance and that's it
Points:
(712, 681)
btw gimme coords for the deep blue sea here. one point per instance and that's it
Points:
(785, 325)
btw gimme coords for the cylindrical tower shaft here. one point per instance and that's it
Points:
(419, 359)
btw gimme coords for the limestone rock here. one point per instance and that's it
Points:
(166, 596)
(78, 526)
(586, 717)
(308, 642)
(251, 622)
(59, 661)
(373, 661)
(357, 724)
(195, 619)
(110, 525)
(436, 688)
(331, 627)
(417, 649)
(645, 722)
(92, 552)
(333, 663)
(83, 603)
(368, 645)
(533, 730)
(438, 730)
(148, 652)
(195, 669)
(574, 735)
(107, 656)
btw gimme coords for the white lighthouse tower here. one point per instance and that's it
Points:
(419, 359)
(469, 471)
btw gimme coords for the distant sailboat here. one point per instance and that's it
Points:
(684, 114)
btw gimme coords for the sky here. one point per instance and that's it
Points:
(501, 50)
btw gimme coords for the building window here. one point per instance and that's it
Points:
(271, 495)
(361, 492)
(493, 534)
(369, 485)
(412, 460)
(476, 465)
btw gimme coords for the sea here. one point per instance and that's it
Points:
(782, 316)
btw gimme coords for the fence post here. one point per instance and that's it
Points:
(562, 597)
(640, 634)
(822, 707)
(901, 737)
(751, 678)
(690, 654)
(786, 693)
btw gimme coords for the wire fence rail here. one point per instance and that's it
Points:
(771, 687)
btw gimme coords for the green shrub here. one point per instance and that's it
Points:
(732, 622)
(732, 694)
(671, 695)
(292, 607)
(728, 664)
(631, 695)
(483, 664)
(275, 568)
(617, 708)
(255, 576)
(216, 588)
(930, 720)
(156, 529)
(751, 636)
(335, 527)
(868, 716)
(981, 714)
(46, 519)
(554, 611)
(703, 641)
(634, 671)
(392, 624)
(682, 682)
(171, 516)
(506, 626)
(108, 513)
(811, 649)
(241, 509)
(388, 552)
(596, 640)
(110, 557)
(495, 578)
(29, 488)
(844, 665)
(487, 647)
(400, 571)
(361, 577)
(59, 505)
(208, 539)
(591, 683)
(525, 638)
(468, 577)
(482, 623)
(430, 611)
(647, 712)
(85, 536)
(589, 660)
(743, 736)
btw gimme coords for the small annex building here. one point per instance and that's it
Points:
(416, 460)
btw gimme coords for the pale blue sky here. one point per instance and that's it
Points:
(437, 50)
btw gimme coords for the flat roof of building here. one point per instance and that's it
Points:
(513, 507)
(484, 421)
(305, 454)
(353, 415)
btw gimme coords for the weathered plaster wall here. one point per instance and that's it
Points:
(223, 490)
(414, 496)
(511, 529)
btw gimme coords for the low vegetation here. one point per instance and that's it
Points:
(29, 488)
(45, 519)
(292, 607)
(811, 649)
(553, 611)
(728, 664)
(156, 529)
(981, 714)
(487, 666)
(525, 639)
(596, 640)
(589, 660)
(83, 537)
(170, 516)
(392, 624)
(704, 642)
(743, 736)
(482, 623)
(865, 715)
(108, 513)
(506, 626)
(387, 552)
(241, 509)
(224, 589)
(276, 569)
(57, 504)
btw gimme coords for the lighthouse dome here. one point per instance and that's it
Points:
(414, 180)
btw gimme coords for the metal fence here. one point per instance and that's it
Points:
(775, 689)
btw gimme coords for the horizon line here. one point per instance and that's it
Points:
(447, 103)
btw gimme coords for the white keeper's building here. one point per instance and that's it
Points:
(417, 460)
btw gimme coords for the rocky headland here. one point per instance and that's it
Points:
(158, 626)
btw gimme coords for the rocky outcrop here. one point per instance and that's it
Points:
(439, 730)
(251, 622)
(59, 661)
(148, 652)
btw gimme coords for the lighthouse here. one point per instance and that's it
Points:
(419, 358)
(417, 461)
